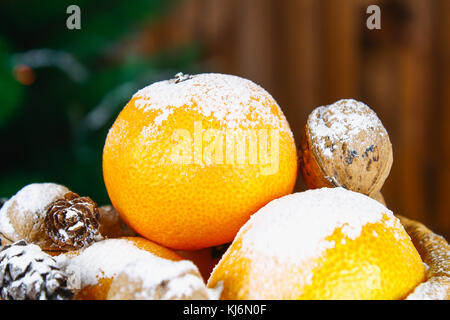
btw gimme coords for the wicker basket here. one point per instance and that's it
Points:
(435, 252)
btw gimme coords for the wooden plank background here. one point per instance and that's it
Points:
(313, 52)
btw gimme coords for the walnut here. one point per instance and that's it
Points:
(166, 280)
(345, 145)
(22, 216)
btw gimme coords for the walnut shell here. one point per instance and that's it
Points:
(139, 281)
(379, 197)
(50, 216)
(23, 216)
(132, 268)
(345, 145)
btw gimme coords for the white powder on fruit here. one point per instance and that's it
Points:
(342, 122)
(29, 204)
(233, 101)
(295, 227)
(108, 258)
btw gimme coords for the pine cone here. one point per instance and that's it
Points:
(73, 222)
(27, 273)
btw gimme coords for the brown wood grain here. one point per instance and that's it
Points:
(442, 123)
(340, 50)
(313, 52)
(298, 60)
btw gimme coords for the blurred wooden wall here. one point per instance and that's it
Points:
(313, 52)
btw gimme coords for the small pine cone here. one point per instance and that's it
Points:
(73, 222)
(28, 273)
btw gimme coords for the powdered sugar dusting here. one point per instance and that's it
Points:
(231, 100)
(26, 272)
(313, 216)
(32, 200)
(433, 289)
(435, 252)
(106, 259)
(341, 122)
(182, 278)
(439, 255)
(6, 228)
(37, 196)
(21, 256)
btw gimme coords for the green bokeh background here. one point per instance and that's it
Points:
(54, 129)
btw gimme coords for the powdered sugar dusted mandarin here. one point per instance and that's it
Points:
(189, 160)
(327, 243)
(313, 216)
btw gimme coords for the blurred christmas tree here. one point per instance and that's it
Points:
(61, 89)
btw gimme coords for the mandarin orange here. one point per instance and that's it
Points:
(205, 259)
(189, 160)
(320, 244)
